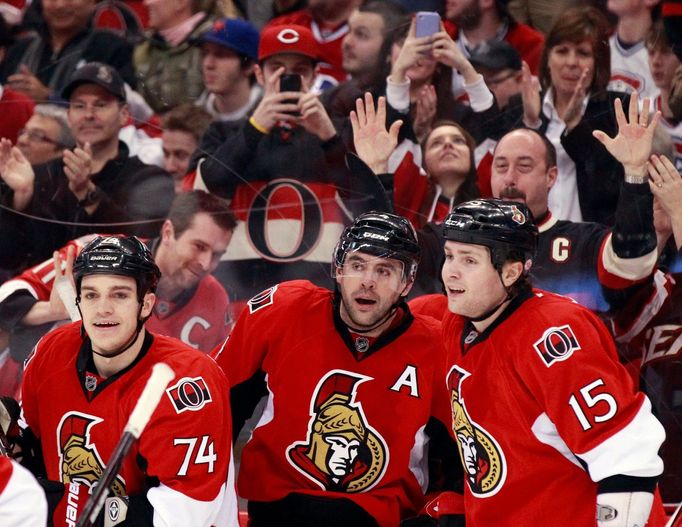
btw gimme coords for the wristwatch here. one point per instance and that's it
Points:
(635, 180)
(92, 197)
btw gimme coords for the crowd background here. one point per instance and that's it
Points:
(112, 111)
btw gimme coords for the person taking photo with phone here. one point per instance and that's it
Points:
(280, 165)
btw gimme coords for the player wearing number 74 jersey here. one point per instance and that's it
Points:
(550, 428)
(82, 382)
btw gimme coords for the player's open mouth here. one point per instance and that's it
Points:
(105, 324)
(365, 301)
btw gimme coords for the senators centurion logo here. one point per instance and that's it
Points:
(484, 463)
(79, 460)
(342, 452)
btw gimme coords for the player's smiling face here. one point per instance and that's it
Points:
(110, 308)
(472, 283)
(369, 286)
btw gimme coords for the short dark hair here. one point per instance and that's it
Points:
(187, 205)
(189, 118)
(574, 25)
(396, 20)
(656, 37)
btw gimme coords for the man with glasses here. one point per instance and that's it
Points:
(45, 135)
(96, 187)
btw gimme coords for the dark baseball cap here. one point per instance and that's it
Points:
(495, 55)
(96, 73)
(233, 33)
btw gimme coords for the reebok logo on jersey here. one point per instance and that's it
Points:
(556, 344)
(189, 394)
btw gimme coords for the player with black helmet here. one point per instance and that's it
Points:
(540, 405)
(353, 379)
(83, 380)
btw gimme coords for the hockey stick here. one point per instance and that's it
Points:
(161, 375)
(675, 518)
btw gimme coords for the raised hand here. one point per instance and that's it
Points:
(573, 111)
(665, 182)
(314, 118)
(530, 96)
(17, 172)
(413, 50)
(632, 145)
(275, 106)
(78, 169)
(27, 83)
(373, 143)
(425, 111)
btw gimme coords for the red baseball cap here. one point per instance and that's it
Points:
(287, 39)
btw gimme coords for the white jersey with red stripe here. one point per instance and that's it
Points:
(630, 69)
(22, 500)
(542, 408)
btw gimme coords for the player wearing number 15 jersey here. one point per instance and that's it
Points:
(83, 380)
(550, 427)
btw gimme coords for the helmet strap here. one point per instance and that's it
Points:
(497, 306)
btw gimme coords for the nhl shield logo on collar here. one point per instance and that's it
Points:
(90, 383)
(361, 344)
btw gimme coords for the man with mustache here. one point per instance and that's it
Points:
(587, 261)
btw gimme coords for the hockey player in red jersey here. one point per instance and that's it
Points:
(82, 381)
(191, 305)
(551, 429)
(353, 381)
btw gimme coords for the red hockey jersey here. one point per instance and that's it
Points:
(542, 411)
(79, 418)
(339, 422)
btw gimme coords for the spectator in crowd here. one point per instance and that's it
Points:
(45, 135)
(629, 60)
(328, 22)
(421, 81)
(17, 106)
(449, 178)
(167, 64)
(566, 417)
(191, 305)
(672, 19)
(355, 388)
(587, 261)
(229, 52)
(366, 51)
(472, 22)
(539, 14)
(97, 183)
(572, 104)
(663, 63)
(84, 380)
(40, 65)
(181, 131)
(649, 325)
(284, 170)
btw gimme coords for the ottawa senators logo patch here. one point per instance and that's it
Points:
(79, 460)
(556, 344)
(189, 394)
(342, 452)
(262, 299)
(484, 463)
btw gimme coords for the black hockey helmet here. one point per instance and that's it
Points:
(507, 228)
(381, 234)
(119, 255)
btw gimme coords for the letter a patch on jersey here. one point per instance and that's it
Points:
(556, 344)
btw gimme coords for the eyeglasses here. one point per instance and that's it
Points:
(38, 136)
